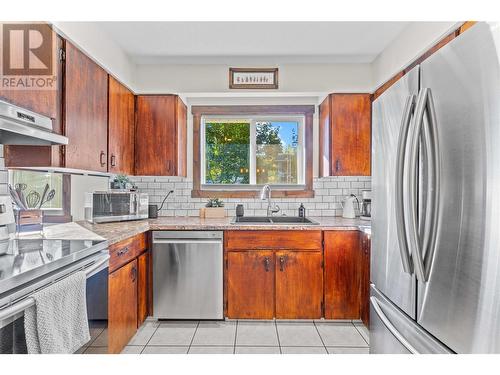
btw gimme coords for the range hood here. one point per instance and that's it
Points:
(19, 126)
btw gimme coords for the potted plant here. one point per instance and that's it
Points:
(213, 209)
(120, 182)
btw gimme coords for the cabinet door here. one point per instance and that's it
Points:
(350, 134)
(299, 284)
(324, 138)
(250, 284)
(142, 288)
(121, 128)
(86, 112)
(156, 135)
(342, 275)
(122, 310)
(365, 279)
(181, 118)
(45, 102)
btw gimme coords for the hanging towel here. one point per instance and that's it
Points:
(57, 323)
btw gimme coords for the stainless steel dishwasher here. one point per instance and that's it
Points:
(187, 275)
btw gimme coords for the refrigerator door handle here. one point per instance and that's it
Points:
(391, 327)
(424, 106)
(400, 163)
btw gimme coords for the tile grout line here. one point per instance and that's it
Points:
(235, 337)
(192, 338)
(363, 337)
(145, 346)
(321, 338)
(278, 335)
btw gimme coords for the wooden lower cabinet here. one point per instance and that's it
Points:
(142, 288)
(250, 284)
(365, 279)
(263, 284)
(342, 274)
(122, 310)
(299, 284)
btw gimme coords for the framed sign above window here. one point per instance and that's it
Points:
(253, 78)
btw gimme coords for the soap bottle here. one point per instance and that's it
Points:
(302, 210)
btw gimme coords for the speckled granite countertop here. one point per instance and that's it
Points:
(115, 232)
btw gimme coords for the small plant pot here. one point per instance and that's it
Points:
(212, 212)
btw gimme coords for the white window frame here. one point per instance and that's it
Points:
(253, 119)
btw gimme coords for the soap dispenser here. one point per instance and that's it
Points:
(302, 210)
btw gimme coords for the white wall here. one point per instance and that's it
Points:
(415, 39)
(292, 78)
(100, 47)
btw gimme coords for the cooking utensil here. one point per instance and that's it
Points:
(32, 199)
(45, 190)
(50, 196)
(15, 198)
(20, 186)
(20, 194)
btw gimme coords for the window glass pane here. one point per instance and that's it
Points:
(276, 152)
(227, 152)
(35, 181)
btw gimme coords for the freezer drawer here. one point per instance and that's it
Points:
(187, 275)
(393, 332)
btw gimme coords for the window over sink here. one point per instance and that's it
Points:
(239, 149)
(252, 151)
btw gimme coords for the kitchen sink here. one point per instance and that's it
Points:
(282, 220)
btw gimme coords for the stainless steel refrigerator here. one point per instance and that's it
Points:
(435, 262)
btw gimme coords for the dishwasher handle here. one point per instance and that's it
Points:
(187, 241)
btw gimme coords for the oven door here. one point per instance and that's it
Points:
(12, 335)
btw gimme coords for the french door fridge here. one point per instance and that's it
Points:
(435, 260)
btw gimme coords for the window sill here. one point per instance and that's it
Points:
(279, 193)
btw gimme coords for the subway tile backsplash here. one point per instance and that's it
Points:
(329, 192)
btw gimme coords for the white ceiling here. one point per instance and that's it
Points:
(252, 42)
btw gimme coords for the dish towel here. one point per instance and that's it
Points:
(58, 323)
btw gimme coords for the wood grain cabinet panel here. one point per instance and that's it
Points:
(345, 135)
(342, 274)
(142, 288)
(45, 102)
(120, 128)
(122, 310)
(250, 284)
(299, 284)
(86, 112)
(160, 141)
(273, 239)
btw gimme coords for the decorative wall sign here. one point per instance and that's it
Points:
(253, 78)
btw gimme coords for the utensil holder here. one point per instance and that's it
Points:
(29, 220)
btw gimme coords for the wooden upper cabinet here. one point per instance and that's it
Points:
(44, 102)
(122, 306)
(342, 274)
(160, 141)
(299, 284)
(345, 135)
(250, 284)
(120, 128)
(86, 112)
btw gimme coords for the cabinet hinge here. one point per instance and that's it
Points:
(322, 264)
(62, 54)
(227, 264)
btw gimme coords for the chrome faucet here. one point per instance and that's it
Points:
(266, 194)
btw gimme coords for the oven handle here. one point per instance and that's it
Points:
(22, 305)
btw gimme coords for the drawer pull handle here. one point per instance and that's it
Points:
(122, 251)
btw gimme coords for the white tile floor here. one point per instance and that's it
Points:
(248, 337)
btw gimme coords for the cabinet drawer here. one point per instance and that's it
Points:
(273, 239)
(124, 251)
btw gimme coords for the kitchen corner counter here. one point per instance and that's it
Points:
(116, 232)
